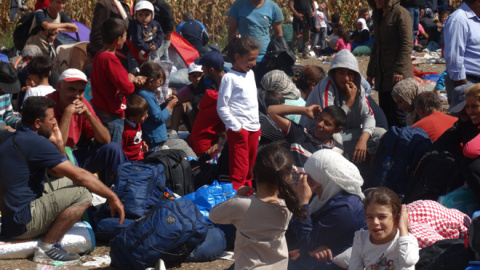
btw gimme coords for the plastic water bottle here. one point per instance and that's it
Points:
(387, 164)
(474, 265)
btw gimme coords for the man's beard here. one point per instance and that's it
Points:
(45, 133)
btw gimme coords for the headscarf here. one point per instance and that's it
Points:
(335, 173)
(407, 90)
(277, 80)
(364, 24)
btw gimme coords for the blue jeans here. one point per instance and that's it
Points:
(415, 13)
(102, 159)
(319, 38)
(162, 52)
(113, 123)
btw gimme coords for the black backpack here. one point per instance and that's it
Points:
(437, 174)
(178, 172)
(447, 254)
(22, 30)
(474, 237)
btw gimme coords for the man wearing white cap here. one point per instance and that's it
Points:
(78, 124)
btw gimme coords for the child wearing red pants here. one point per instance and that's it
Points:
(237, 106)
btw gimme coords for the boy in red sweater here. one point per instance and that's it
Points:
(135, 114)
(110, 81)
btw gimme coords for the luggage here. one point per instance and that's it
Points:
(170, 231)
(474, 237)
(437, 174)
(178, 173)
(445, 254)
(23, 29)
(397, 157)
(139, 187)
(108, 228)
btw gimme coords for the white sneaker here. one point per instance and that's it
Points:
(55, 254)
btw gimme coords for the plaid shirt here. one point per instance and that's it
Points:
(7, 114)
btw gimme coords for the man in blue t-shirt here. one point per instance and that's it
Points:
(30, 207)
(255, 18)
(194, 32)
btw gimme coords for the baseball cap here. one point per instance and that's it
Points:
(211, 59)
(9, 82)
(194, 68)
(458, 98)
(73, 74)
(144, 5)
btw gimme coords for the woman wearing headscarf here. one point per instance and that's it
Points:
(334, 214)
(278, 81)
(362, 34)
(404, 94)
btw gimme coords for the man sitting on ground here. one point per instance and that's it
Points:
(31, 208)
(78, 124)
(432, 118)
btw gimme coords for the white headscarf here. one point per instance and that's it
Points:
(364, 24)
(335, 173)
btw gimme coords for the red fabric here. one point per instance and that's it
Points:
(41, 4)
(242, 147)
(207, 125)
(436, 124)
(429, 222)
(472, 148)
(419, 74)
(79, 124)
(132, 142)
(110, 84)
(184, 48)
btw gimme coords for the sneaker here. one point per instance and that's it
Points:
(56, 253)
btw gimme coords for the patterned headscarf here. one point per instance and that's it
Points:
(335, 173)
(407, 90)
(277, 80)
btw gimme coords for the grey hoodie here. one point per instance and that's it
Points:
(326, 93)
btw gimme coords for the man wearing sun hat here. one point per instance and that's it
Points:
(78, 124)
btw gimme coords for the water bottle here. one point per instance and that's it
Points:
(387, 164)
(474, 265)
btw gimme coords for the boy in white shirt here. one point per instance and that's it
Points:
(39, 70)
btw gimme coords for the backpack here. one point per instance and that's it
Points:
(398, 154)
(139, 187)
(445, 254)
(178, 173)
(437, 174)
(23, 29)
(474, 237)
(170, 231)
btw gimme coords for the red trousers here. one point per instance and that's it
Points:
(243, 151)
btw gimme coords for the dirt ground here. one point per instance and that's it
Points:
(103, 248)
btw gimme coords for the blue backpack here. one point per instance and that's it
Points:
(139, 187)
(397, 157)
(170, 231)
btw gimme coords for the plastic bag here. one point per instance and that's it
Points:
(206, 197)
(461, 199)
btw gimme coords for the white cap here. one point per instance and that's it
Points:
(72, 75)
(144, 5)
(194, 68)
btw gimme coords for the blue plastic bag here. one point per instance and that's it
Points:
(461, 199)
(206, 197)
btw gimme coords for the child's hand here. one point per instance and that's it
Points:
(25, 88)
(403, 221)
(313, 110)
(303, 190)
(153, 47)
(144, 146)
(172, 101)
(71, 27)
(140, 80)
(322, 253)
(245, 191)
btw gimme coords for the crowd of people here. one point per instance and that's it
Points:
(298, 146)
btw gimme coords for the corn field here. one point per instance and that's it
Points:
(212, 13)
